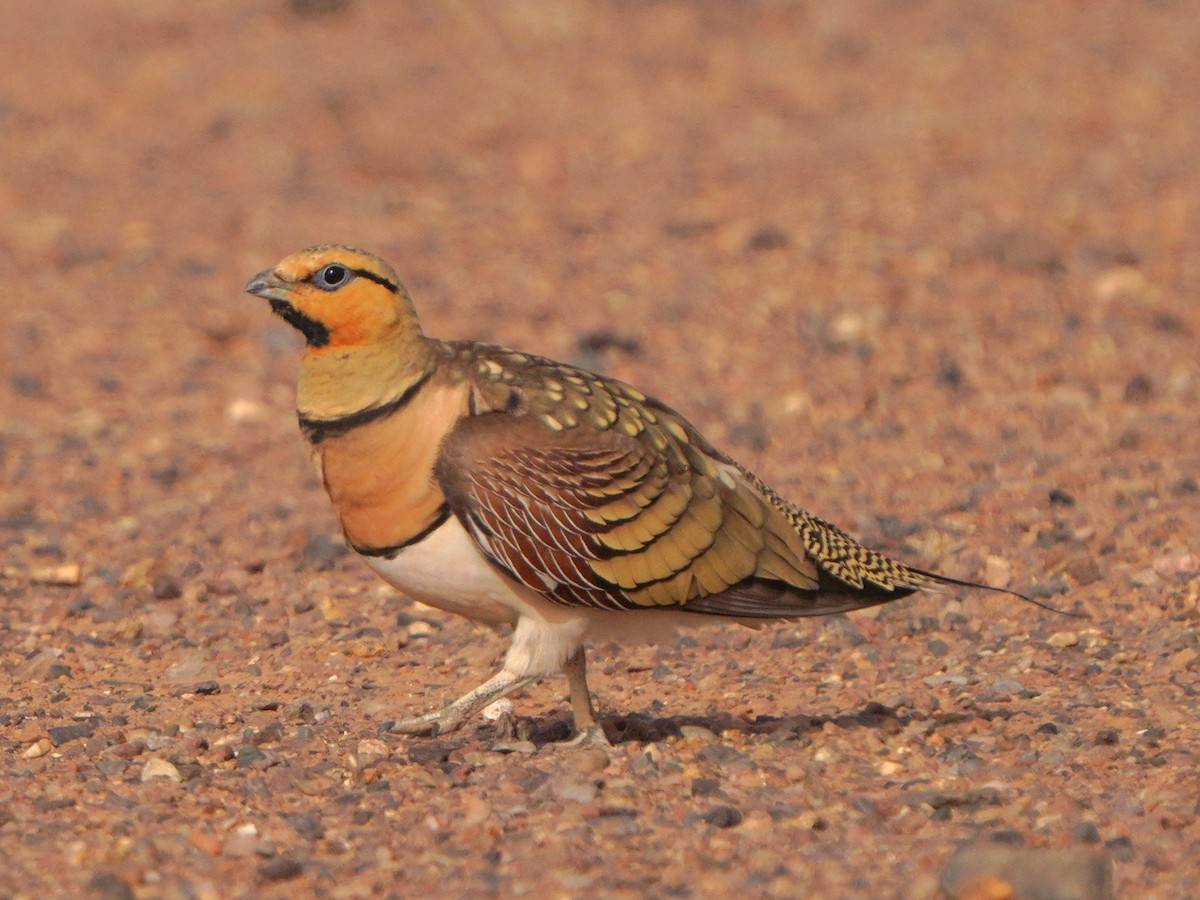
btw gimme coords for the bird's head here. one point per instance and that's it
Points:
(337, 296)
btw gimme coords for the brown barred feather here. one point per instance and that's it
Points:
(583, 489)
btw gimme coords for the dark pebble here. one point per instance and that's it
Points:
(250, 757)
(1008, 837)
(1138, 389)
(271, 733)
(1108, 737)
(61, 734)
(1049, 588)
(768, 238)
(1059, 497)
(1086, 833)
(723, 817)
(307, 825)
(107, 886)
(281, 868)
(428, 752)
(865, 805)
(323, 551)
(1186, 485)
(207, 688)
(705, 787)
(603, 339)
(949, 373)
(166, 587)
(1047, 728)
(894, 528)
(28, 385)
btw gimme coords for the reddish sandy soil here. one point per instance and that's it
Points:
(931, 268)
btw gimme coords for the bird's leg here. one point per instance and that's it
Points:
(453, 716)
(588, 732)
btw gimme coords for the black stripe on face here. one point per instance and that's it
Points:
(377, 278)
(315, 333)
(317, 430)
(391, 552)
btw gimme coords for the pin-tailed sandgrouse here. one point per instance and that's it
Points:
(519, 491)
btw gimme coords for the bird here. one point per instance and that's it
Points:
(518, 491)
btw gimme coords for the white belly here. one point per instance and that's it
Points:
(447, 570)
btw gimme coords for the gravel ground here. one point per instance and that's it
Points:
(931, 268)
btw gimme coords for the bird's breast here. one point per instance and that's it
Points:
(379, 475)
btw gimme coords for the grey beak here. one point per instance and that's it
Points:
(266, 284)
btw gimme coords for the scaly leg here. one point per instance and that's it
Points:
(456, 714)
(588, 732)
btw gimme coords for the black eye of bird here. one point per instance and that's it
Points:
(332, 276)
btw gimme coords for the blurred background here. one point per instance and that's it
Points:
(930, 267)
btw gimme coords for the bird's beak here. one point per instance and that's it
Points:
(269, 286)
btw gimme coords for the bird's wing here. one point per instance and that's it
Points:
(631, 510)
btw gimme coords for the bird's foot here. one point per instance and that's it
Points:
(457, 713)
(592, 736)
(441, 722)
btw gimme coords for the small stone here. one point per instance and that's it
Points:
(705, 787)
(107, 886)
(574, 790)
(323, 551)
(1107, 737)
(1145, 578)
(949, 373)
(723, 817)
(429, 752)
(1062, 639)
(1048, 588)
(166, 587)
(1059, 497)
(160, 768)
(281, 868)
(937, 647)
(419, 629)
(697, 733)
(61, 734)
(997, 571)
(140, 573)
(37, 749)
(371, 750)
(590, 760)
(243, 410)
(1138, 389)
(1086, 833)
(945, 678)
(991, 870)
(65, 575)
(1084, 570)
(250, 757)
(512, 746)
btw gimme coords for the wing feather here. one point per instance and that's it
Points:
(585, 491)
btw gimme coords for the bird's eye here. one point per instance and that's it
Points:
(332, 277)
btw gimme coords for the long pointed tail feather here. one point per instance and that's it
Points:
(932, 580)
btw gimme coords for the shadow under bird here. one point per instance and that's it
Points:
(519, 491)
